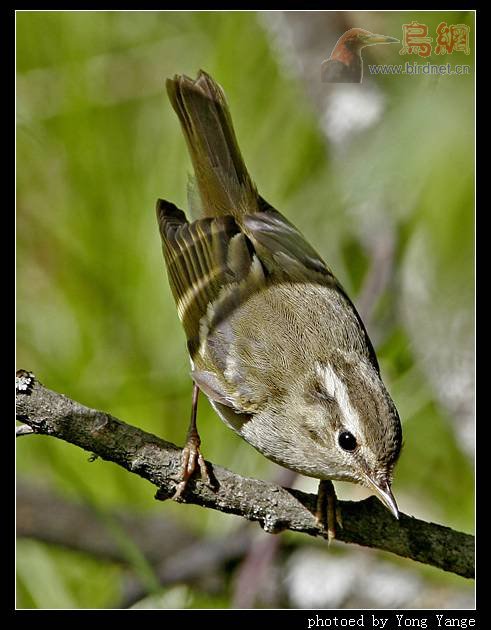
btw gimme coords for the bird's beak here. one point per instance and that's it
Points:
(372, 38)
(384, 493)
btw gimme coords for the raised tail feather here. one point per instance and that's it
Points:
(222, 179)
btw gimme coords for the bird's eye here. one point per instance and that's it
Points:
(347, 441)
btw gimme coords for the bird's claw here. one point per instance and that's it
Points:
(190, 457)
(328, 512)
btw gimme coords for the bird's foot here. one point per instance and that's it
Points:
(191, 459)
(328, 512)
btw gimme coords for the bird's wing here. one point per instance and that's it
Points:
(282, 249)
(215, 261)
(211, 266)
(215, 266)
(288, 257)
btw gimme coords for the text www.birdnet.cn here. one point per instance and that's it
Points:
(420, 69)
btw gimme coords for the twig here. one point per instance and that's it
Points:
(44, 515)
(252, 574)
(205, 563)
(177, 556)
(365, 522)
(256, 567)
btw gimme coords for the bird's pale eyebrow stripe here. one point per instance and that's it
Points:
(336, 388)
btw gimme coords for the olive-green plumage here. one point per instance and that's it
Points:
(222, 179)
(275, 343)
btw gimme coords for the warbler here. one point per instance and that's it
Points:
(275, 343)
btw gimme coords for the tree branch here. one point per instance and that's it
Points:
(365, 523)
(177, 556)
(48, 517)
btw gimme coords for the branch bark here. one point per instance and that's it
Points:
(365, 523)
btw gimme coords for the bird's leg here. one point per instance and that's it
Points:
(191, 454)
(327, 511)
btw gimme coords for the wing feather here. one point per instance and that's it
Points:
(216, 263)
(208, 262)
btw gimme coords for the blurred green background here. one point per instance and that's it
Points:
(98, 143)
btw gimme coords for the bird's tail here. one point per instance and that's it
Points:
(223, 183)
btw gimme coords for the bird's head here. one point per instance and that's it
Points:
(338, 422)
(351, 43)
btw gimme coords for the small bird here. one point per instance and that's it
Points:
(274, 341)
(345, 64)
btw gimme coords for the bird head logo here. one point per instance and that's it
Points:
(345, 64)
